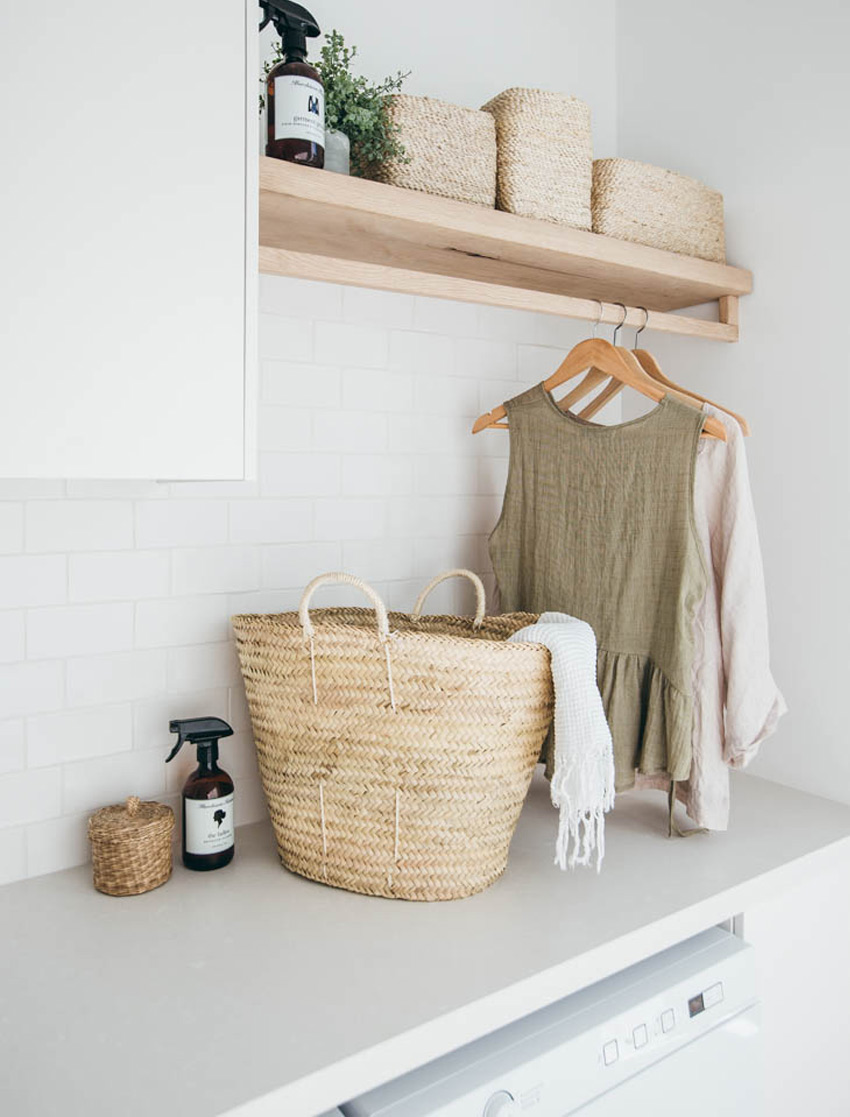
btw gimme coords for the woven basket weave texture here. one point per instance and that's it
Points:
(649, 205)
(131, 847)
(451, 150)
(545, 155)
(410, 790)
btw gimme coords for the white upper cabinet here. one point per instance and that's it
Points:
(127, 263)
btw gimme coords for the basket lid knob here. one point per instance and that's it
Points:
(133, 803)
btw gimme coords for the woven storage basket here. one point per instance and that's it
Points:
(452, 150)
(648, 205)
(395, 750)
(131, 847)
(545, 155)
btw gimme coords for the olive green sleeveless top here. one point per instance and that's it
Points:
(597, 522)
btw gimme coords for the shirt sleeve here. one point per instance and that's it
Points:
(754, 703)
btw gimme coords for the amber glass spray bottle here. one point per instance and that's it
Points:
(208, 838)
(295, 96)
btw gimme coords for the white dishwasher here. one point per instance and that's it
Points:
(676, 1034)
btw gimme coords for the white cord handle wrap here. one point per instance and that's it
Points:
(337, 579)
(381, 617)
(480, 595)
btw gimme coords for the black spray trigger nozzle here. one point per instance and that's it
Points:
(198, 731)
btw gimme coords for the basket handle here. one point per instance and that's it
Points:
(337, 579)
(480, 595)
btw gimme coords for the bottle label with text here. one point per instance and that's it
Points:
(299, 109)
(209, 824)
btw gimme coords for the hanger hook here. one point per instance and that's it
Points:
(599, 319)
(643, 327)
(618, 327)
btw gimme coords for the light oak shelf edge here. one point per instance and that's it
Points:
(322, 226)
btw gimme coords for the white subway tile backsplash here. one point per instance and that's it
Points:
(485, 358)
(78, 734)
(288, 384)
(293, 566)
(152, 715)
(377, 474)
(116, 678)
(299, 475)
(446, 317)
(344, 343)
(291, 338)
(376, 390)
(13, 854)
(187, 523)
(222, 570)
(492, 476)
(79, 630)
(447, 476)
(118, 490)
(13, 754)
(30, 796)
(204, 665)
(79, 525)
(264, 601)
(33, 580)
(285, 428)
(11, 527)
(30, 688)
(380, 560)
(299, 298)
(271, 521)
(90, 784)
(536, 362)
(12, 636)
(367, 463)
(350, 432)
(351, 518)
(112, 577)
(57, 844)
(31, 489)
(182, 620)
(421, 354)
(383, 308)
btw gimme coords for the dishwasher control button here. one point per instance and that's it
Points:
(640, 1036)
(610, 1052)
(713, 995)
(501, 1104)
(668, 1020)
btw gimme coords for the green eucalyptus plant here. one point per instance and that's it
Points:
(354, 105)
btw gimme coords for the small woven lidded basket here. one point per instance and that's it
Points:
(451, 150)
(648, 205)
(545, 155)
(131, 847)
(395, 750)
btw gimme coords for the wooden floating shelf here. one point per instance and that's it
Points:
(319, 225)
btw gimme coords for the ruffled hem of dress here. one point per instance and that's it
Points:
(651, 719)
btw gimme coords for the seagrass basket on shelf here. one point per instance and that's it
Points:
(649, 205)
(396, 749)
(131, 846)
(449, 150)
(545, 155)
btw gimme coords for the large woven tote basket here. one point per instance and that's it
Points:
(395, 750)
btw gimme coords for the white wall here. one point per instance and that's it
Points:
(115, 598)
(753, 99)
(467, 52)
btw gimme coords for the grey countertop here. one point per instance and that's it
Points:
(251, 989)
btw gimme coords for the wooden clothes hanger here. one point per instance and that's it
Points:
(652, 367)
(603, 359)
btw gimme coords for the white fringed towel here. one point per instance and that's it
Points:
(583, 778)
